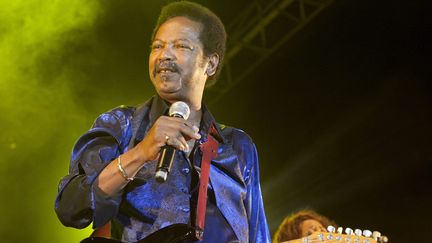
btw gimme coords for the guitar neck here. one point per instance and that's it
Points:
(332, 238)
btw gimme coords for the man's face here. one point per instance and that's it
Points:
(177, 65)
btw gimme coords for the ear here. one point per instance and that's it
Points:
(213, 63)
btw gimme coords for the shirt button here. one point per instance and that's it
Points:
(185, 209)
(185, 170)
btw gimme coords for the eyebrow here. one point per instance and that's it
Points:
(181, 39)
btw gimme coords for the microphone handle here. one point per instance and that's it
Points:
(164, 164)
(166, 159)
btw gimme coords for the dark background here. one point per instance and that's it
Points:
(340, 114)
(341, 117)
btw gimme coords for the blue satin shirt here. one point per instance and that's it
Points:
(235, 211)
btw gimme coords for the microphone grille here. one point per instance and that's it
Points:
(179, 108)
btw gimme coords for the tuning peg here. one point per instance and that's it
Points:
(367, 233)
(383, 239)
(348, 231)
(331, 229)
(358, 232)
(376, 235)
(339, 230)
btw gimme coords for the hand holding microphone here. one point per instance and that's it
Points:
(167, 130)
(180, 110)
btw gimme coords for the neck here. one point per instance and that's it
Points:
(195, 116)
(194, 103)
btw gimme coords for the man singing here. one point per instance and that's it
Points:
(111, 180)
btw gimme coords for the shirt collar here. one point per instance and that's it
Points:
(160, 107)
(207, 121)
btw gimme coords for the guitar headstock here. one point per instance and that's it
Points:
(350, 236)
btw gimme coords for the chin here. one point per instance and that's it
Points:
(169, 89)
(168, 94)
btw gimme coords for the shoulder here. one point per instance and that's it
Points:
(115, 123)
(235, 136)
(114, 117)
(240, 143)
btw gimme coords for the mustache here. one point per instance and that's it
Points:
(166, 65)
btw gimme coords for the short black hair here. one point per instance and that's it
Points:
(213, 35)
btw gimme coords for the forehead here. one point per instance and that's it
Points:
(178, 28)
(310, 223)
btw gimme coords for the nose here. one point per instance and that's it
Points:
(166, 54)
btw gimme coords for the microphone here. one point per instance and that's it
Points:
(177, 109)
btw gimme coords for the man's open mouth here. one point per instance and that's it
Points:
(163, 70)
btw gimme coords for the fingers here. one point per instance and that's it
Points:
(179, 143)
(186, 128)
(166, 130)
(176, 131)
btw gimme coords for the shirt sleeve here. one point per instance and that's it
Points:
(258, 228)
(79, 201)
